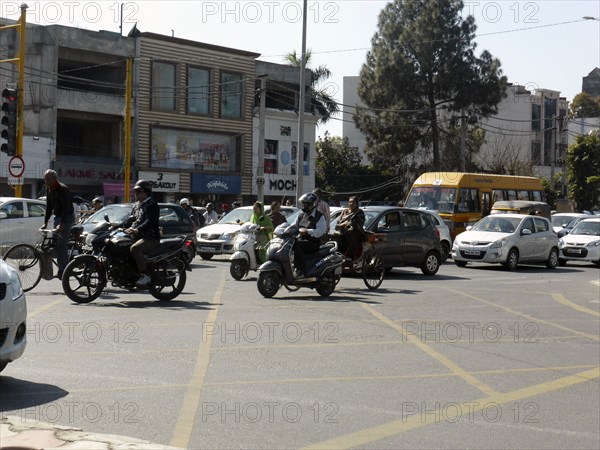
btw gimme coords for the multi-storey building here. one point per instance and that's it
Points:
(73, 106)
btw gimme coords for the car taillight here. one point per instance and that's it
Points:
(438, 233)
(188, 243)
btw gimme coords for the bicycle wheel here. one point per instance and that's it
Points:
(373, 270)
(25, 259)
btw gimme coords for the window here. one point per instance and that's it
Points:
(13, 210)
(469, 200)
(541, 225)
(536, 115)
(163, 86)
(511, 194)
(412, 221)
(522, 195)
(536, 153)
(270, 156)
(528, 225)
(536, 196)
(231, 95)
(198, 90)
(36, 210)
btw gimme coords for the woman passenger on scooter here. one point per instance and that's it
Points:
(265, 232)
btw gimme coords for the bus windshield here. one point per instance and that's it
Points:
(442, 199)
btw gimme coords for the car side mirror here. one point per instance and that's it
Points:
(106, 218)
(564, 225)
(3, 215)
(526, 232)
(468, 228)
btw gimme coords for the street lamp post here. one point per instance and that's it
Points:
(300, 149)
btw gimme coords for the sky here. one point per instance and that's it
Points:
(540, 44)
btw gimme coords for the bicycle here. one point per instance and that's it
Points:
(369, 263)
(34, 262)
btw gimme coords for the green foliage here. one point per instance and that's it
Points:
(322, 103)
(584, 105)
(550, 193)
(583, 169)
(422, 61)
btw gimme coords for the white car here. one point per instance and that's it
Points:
(13, 313)
(20, 220)
(445, 238)
(561, 220)
(508, 239)
(218, 238)
(582, 243)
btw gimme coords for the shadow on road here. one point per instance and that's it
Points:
(22, 394)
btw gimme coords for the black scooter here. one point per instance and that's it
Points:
(324, 267)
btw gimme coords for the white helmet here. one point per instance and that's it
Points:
(184, 201)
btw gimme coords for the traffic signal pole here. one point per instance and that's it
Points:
(21, 26)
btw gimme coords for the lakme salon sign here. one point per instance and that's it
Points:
(162, 181)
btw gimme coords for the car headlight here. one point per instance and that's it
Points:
(499, 243)
(593, 244)
(17, 289)
(229, 235)
(561, 243)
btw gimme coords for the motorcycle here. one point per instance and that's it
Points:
(106, 257)
(324, 267)
(244, 256)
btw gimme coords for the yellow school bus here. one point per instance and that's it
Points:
(464, 198)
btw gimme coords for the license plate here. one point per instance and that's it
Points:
(472, 252)
(207, 249)
(575, 250)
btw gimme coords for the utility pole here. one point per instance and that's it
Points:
(300, 149)
(260, 170)
(127, 170)
(553, 153)
(463, 139)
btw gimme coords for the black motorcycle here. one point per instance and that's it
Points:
(324, 267)
(106, 257)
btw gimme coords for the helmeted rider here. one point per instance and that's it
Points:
(210, 216)
(97, 203)
(143, 226)
(312, 228)
(191, 212)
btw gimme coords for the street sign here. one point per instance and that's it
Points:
(14, 182)
(16, 166)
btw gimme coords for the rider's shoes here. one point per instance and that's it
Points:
(59, 275)
(298, 273)
(143, 281)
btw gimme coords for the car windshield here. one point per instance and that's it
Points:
(587, 228)
(238, 215)
(441, 199)
(561, 221)
(116, 214)
(497, 224)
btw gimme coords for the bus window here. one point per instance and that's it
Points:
(469, 200)
(522, 195)
(511, 195)
(536, 196)
(498, 195)
(439, 198)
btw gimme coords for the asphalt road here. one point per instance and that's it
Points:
(473, 357)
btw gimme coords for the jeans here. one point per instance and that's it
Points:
(62, 242)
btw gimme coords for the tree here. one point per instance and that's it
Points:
(583, 169)
(422, 64)
(321, 103)
(584, 105)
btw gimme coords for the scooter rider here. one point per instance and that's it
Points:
(312, 227)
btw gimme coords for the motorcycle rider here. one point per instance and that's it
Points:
(185, 204)
(144, 228)
(97, 204)
(312, 228)
(210, 216)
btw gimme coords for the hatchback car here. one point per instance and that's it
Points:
(444, 230)
(218, 238)
(582, 243)
(406, 237)
(173, 221)
(20, 220)
(561, 220)
(13, 314)
(574, 221)
(508, 239)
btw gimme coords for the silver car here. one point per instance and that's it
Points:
(20, 220)
(508, 239)
(445, 238)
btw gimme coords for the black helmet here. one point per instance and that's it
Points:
(97, 200)
(308, 202)
(210, 205)
(146, 186)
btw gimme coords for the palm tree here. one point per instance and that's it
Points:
(321, 103)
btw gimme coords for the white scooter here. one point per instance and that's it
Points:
(244, 256)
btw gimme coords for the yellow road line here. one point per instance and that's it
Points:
(191, 401)
(563, 301)
(369, 435)
(527, 316)
(41, 309)
(454, 368)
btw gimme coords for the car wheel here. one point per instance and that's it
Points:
(513, 260)
(552, 260)
(562, 262)
(460, 263)
(445, 251)
(431, 264)
(206, 255)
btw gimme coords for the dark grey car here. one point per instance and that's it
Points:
(407, 237)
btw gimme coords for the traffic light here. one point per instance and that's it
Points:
(9, 121)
